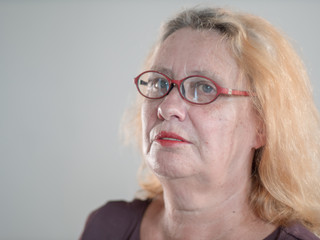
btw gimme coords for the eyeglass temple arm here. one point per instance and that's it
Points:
(143, 83)
(229, 91)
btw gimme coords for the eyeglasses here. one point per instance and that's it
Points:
(195, 89)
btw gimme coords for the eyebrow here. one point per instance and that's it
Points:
(163, 70)
(209, 74)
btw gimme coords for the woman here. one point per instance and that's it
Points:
(230, 137)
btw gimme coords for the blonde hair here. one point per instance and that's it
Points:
(285, 172)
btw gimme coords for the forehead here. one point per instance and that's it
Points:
(187, 52)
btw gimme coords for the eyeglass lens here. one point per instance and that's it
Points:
(194, 89)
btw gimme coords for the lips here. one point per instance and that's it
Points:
(169, 139)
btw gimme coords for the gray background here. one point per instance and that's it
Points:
(66, 70)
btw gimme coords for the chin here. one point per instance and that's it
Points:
(170, 168)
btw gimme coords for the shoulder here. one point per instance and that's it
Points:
(117, 210)
(115, 220)
(293, 232)
(298, 231)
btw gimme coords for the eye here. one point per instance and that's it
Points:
(157, 86)
(198, 90)
(153, 85)
(206, 88)
(160, 83)
(203, 87)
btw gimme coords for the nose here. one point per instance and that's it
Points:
(172, 106)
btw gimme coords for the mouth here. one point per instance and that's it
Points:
(169, 139)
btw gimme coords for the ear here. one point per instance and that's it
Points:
(260, 134)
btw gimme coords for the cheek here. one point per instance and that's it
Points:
(210, 124)
(219, 126)
(215, 118)
(148, 118)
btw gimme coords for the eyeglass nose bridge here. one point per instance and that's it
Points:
(175, 83)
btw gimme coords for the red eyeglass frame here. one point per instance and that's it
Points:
(172, 82)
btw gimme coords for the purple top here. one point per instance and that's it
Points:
(120, 220)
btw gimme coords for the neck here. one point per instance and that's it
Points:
(196, 212)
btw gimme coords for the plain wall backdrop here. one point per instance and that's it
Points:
(66, 76)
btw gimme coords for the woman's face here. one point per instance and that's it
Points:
(213, 142)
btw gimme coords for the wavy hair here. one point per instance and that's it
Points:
(286, 170)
